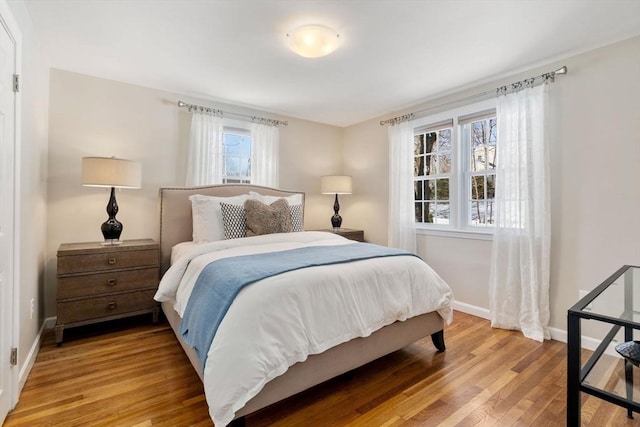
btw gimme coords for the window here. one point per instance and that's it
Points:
(236, 156)
(432, 173)
(455, 169)
(480, 138)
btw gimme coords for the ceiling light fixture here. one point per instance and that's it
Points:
(313, 41)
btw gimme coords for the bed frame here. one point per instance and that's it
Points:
(176, 227)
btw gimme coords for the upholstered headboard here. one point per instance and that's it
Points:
(175, 211)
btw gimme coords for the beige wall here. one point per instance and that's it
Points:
(365, 157)
(595, 155)
(595, 180)
(97, 117)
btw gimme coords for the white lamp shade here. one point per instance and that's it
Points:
(111, 172)
(335, 184)
(313, 41)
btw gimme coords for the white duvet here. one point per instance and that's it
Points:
(279, 321)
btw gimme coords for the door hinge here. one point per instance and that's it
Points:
(14, 356)
(16, 82)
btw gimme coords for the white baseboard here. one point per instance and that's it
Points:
(472, 309)
(30, 360)
(559, 334)
(556, 334)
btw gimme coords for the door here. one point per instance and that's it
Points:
(7, 209)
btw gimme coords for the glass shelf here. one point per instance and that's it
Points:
(615, 307)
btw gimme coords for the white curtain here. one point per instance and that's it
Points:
(204, 159)
(402, 225)
(519, 277)
(264, 155)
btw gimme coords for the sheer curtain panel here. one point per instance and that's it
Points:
(204, 158)
(402, 225)
(264, 155)
(519, 277)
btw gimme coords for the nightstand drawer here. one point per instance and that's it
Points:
(99, 283)
(111, 305)
(106, 261)
(109, 282)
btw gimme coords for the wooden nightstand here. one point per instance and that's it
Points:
(357, 235)
(97, 283)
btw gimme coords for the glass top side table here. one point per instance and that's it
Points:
(615, 303)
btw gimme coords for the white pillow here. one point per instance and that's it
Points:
(207, 216)
(295, 199)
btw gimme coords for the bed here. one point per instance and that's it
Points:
(177, 232)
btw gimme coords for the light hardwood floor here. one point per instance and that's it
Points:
(134, 374)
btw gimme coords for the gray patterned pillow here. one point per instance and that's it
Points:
(233, 220)
(297, 223)
(267, 219)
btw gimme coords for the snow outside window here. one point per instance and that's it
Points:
(236, 156)
(454, 169)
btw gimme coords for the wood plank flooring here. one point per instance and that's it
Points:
(131, 373)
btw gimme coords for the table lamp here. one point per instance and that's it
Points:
(335, 184)
(114, 173)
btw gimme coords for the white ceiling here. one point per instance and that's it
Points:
(393, 54)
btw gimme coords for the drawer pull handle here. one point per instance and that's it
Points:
(112, 305)
(112, 261)
(112, 282)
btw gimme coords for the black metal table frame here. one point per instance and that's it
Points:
(577, 374)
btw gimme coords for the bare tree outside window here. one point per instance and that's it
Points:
(455, 160)
(483, 134)
(432, 170)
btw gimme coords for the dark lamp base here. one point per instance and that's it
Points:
(336, 219)
(112, 228)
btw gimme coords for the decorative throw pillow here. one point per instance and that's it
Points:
(267, 219)
(295, 205)
(207, 216)
(234, 221)
(297, 222)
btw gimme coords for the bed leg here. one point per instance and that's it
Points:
(347, 376)
(238, 422)
(438, 340)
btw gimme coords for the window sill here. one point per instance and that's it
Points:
(456, 234)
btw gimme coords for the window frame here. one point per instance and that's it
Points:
(242, 131)
(438, 175)
(459, 184)
(467, 145)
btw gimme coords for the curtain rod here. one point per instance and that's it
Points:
(216, 112)
(502, 90)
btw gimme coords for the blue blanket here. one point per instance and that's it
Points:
(221, 280)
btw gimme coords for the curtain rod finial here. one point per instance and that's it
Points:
(561, 70)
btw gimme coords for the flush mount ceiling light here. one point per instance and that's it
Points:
(313, 41)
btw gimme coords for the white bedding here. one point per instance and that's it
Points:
(281, 320)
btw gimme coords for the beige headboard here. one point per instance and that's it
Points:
(175, 211)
